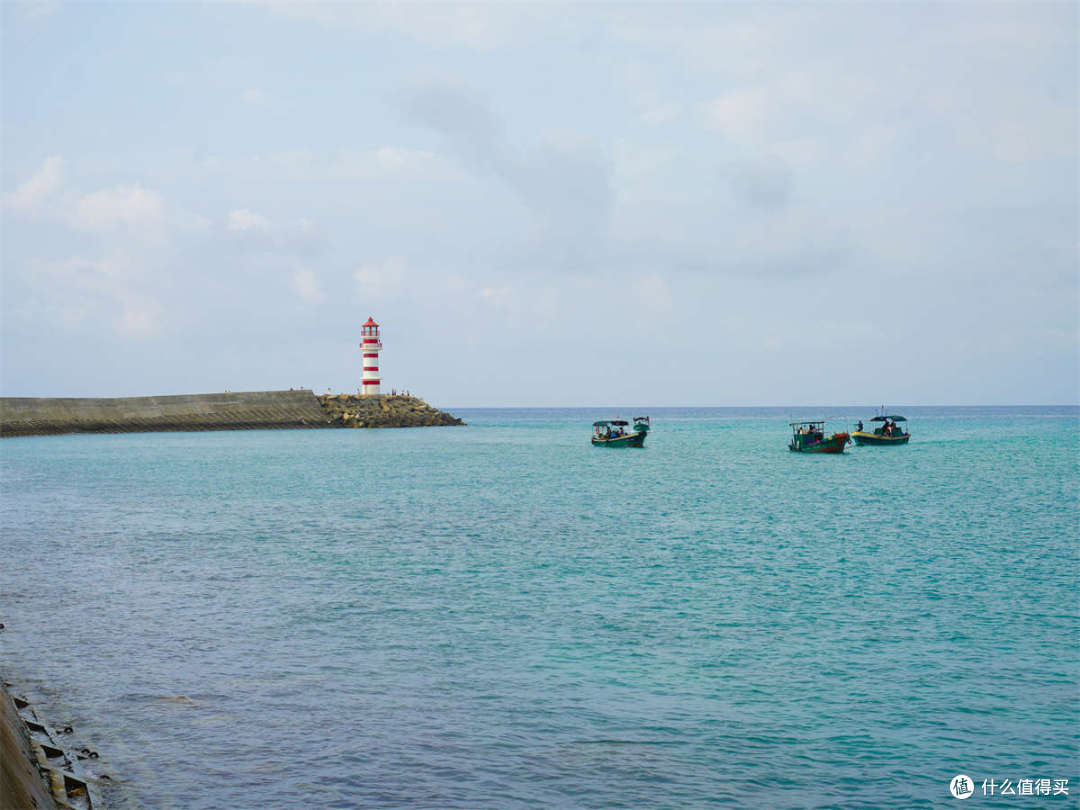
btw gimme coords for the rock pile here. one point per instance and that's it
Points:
(386, 410)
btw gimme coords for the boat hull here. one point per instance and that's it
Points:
(629, 440)
(862, 438)
(833, 444)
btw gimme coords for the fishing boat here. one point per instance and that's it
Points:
(614, 433)
(809, 437)
(889, 432)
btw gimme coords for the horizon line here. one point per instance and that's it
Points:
(906, 405)
(591, 407)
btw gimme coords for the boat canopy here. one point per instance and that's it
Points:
(618, 422)
(808, 422)
(887, 418)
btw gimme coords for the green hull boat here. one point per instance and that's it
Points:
(890, 431)
(862, 437)
(629, 440)
(809, 437)
(613, 432)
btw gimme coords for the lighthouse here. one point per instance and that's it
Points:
(371, 346)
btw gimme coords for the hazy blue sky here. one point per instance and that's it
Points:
(708, 204)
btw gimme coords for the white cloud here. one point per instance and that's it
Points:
(307, 286)
(653, 296)
(244, 220)
(500, 298)
(34, 11)
(298, 238)
(77, 290)
(347, 166)
(644, 88)
(483, 26)
(381, 279)
(140, 315)
(133, 206)
(637, 166)
(35, 191)
(255, 97)
(739, 115)
(395, 158)
(661, 113)
(525, 308)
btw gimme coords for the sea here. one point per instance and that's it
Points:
(504, 616)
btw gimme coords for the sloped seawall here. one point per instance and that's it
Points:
(21, 783)
(34, 416)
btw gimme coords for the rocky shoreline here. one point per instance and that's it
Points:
(383, 411)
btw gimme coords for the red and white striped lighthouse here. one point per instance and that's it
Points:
(371, 346)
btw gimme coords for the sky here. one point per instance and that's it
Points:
(544, 204)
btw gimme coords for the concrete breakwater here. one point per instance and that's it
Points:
(26, 416)
(350, 410)
(40, 769)
(35, 416)
(21, 785)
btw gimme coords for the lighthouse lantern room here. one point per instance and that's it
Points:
(370, 346)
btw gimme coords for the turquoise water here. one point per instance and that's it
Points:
(504, 616)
